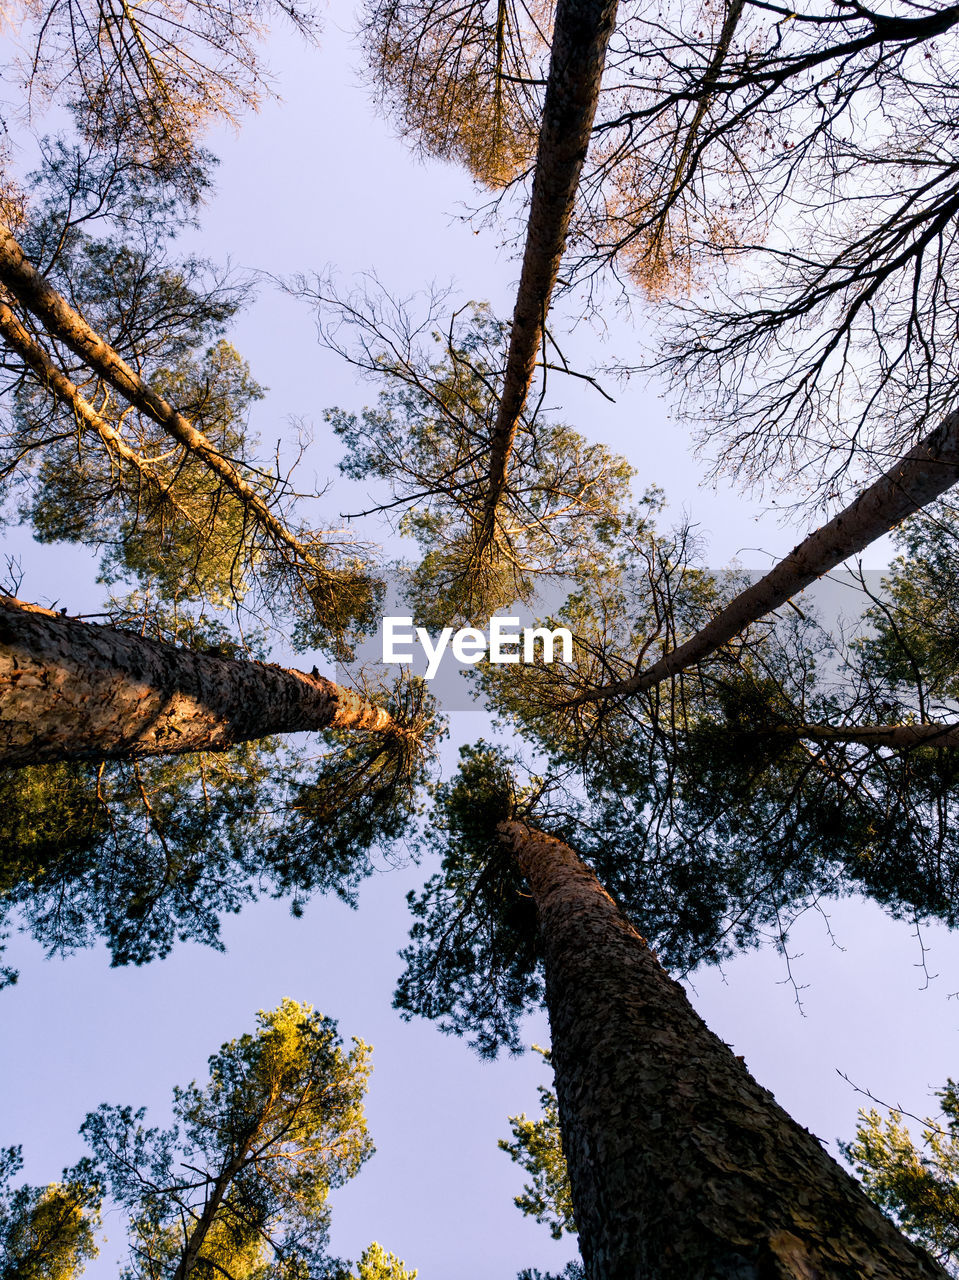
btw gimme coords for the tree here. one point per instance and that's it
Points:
(916, 1186)
(915, 481)
(580, 34)
(155, 845)
(75, 690)
(154, 73)
(822, 189)
(298, 559)
(428, 439)
(239, 1184)
(661, 1122)
(460, 83)
(47, 1233)
(537, 1147)
(377, 1263)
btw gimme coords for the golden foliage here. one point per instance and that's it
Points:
(462, 81)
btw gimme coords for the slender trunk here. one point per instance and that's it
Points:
(39, 297)
(55, 380)
(917, 479)
(682, 1167)
(581, 33)
(879, 735)
(197, 1237)
(734, 12)
(72, 690)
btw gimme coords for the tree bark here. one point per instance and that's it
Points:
(682, 1167)
(581, 34)
(917, 479)
(39, 297)
(73, 690)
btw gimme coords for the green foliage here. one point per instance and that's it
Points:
(631, 597)
(537, 1147)
(240, 1182)
(473, 963)
(428, 439)
(139, 854)
(377, 1263)
(360, 795)
(918, 1186)
(47, 1233)
(911, 654)
(572, 1271)
(170, 524)
(725, 821)
(164, 518)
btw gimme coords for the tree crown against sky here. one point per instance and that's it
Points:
(152, 76)
(916, 1184)
(237, 1186)
(428, 440)
(245, 1171)
(203, 507)
(47, 1233)
(145, 853)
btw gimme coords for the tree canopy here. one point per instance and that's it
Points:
(710, 764)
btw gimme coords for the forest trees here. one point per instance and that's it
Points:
(917, 1185)
(128, 429)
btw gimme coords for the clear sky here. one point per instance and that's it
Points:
(314, 181)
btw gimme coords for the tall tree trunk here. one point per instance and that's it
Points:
(682, 1167)
(39, 297)
(581, 34)
(917, 479)
(73, 690)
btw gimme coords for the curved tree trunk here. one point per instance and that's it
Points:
(581, 34)
(682, 1167)
(73, 690)
(917, 479)
(39, 297)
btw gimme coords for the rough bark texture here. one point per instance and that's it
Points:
(682, 1167)
(917, 479)
(581, 33)
(71, 690)
(63, 322)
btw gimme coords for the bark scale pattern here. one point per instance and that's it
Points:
(581, 34)
(912, 483)
(73, 690)
(682, 1167)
